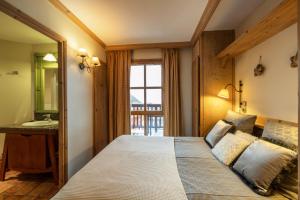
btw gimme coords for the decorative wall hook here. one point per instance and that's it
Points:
(14, 72)
(259, 69)
(294, 60)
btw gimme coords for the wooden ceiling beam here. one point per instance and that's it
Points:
(206, 16)
(60, 6)
(149, 46)
(283, 16)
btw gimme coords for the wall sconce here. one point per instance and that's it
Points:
(84, 63)
(224, 93)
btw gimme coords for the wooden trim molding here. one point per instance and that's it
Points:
(62, 77)
(149, 46)
(206, 16)
(63, 117)
(277, 20)
(12, 11)
(60, 6)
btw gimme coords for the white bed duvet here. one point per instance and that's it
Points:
(131, 167)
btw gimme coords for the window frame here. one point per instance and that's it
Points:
(145, 113)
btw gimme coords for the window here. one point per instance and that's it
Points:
(146, 99)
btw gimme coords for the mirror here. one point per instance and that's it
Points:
(46, 82)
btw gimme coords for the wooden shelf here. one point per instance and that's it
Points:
(283, 16)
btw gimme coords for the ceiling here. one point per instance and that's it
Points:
(231, 13)
(16, 31)
(119, 22)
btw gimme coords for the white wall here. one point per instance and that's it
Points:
(275, 93)
(15, 101)
(79, 83)
(185, 81)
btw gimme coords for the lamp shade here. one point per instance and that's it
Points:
(224, 94)
(95, 61)
(49, 57)
(82, 52)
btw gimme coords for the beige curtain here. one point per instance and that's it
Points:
(118, 63)
(172, 113)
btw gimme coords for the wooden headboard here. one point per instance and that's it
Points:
(260, 124)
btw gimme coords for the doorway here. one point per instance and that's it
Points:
(13, 12)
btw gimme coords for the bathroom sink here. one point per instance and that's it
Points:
(40, 123)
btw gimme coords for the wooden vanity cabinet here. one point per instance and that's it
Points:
(30, 151)
(27, 152)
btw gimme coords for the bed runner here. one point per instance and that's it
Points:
(131, 167)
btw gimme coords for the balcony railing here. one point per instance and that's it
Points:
(154, 123)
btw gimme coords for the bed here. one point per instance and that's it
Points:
(136, 167)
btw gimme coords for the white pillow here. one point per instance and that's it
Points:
(246, 136)
(217, 132)
(262, 162)
(229, 148)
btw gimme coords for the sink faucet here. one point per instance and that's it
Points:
(47, 117)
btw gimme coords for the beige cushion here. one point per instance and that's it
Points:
(217, 132)
(229, 148)
(241, 122)
(262, 162)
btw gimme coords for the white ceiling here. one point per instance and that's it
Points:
(231, 13)
(18, 32)
(139, 21)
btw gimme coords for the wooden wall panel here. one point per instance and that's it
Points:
(195, 89)
(101, 108)
(215, 74)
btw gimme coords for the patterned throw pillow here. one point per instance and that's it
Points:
(230, 147)
(250, 138)
(281, 133)
(262, 162)
(217, 132)
(241, 122)
(284, 134)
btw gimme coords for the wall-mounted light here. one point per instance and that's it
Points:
(49, 57)
(84, 63)
(224, 93)
(95, 61)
